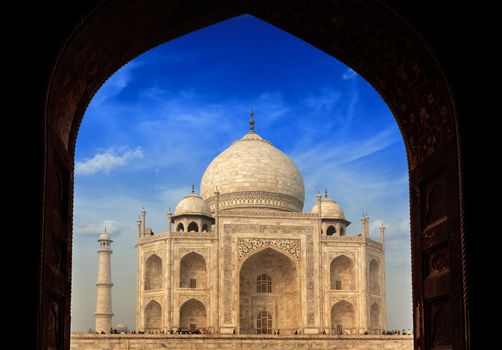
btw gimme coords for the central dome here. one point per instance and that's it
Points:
(252, 173)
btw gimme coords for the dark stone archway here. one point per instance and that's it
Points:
(370, 36)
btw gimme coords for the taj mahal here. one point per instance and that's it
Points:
(243, 258)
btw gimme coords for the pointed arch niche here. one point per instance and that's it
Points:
(269, 282)
(193, 271)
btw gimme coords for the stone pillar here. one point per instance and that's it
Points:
(366, 226)
(169, 220)
(138, 222)
(104, 285)
(382, 233)
(338, 227)
(143, 214)
(363, 220)
(318, 200)
(216, 318)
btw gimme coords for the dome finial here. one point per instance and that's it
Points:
(251, 120)
(193, 189)
(325, 193)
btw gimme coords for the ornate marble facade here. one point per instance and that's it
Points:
(243, 257)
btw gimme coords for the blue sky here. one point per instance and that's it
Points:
(155, 125)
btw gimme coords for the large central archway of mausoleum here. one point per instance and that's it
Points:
(269, 294)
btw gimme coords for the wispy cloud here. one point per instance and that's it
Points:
(325, 101)
(335, 154)
(399, 229)
(116, 83)
(95, 229)
(349, 74)
(107, 161)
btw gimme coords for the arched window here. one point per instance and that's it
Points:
(180, 227)
(264, 323)
(342, 318)
(193, 272)
(264, 284)
(375, 316)
(331, 230)
(374, 276)
(193, 227)
(153, 273)
(153, 316)
(205, 228)
(193, 315)
(342, 275)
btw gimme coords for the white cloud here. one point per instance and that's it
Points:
(397, 230)
(334, 155)
(116, 83)
(107, 161)
(325, 101)
(95, 229)
(170, 196)
(349, 74)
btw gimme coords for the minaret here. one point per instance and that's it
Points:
(143, 215)
(365, 225)
(382, 233)
(104, 285)
(318, 200)
(138, 222)
(169, 220)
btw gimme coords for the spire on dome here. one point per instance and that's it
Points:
(251, 121)
(193, 189)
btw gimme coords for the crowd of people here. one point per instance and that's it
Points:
(212, 331)
(397, 332)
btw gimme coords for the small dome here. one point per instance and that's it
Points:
(105, 236)
(192, 205)
(121, 327)
(329, 209)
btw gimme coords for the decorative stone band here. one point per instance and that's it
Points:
(104, 284)
(344, 238)
(264, 212)
(203, 298)
(256, 199)
(246, 246)
(178, 235)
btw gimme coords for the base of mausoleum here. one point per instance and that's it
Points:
(85, 341)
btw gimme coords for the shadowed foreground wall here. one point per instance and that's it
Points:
(237, 342)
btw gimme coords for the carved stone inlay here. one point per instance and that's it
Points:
(282, 229)
(149, 253)
(348, 254)
(256, 199)
(246, 246)
(227, 277)
(184, 251)
(184, 297)
(156, 298)
(334, 300)
(437, 262)
(310, 280)
(155, 237)
(267, 212)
